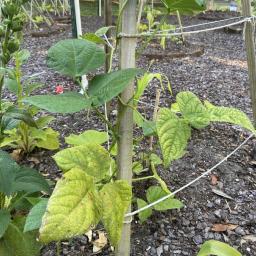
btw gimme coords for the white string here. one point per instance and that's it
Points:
(203, 24)
(190, 183)
(148, 34)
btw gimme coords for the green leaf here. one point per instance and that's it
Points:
(115, 198)
(103, 31)
(47, 138)
(87, 137)
(43, 121)
(34, 218)
(5, 219)
(23, 55)
(148, 128)
(62, 103)
(75, 57)
(103, 88)
(193, 110)
(30, 87)
(213, 247)
(173, 133)
(8, 170)
(72, 208)
(144, 215)
(11, 85)
(155, 192)
(13, 116)
(92, 159)
(93, 38)
(137, 168)
(184, 6)
(17, 243)
(155, 159)
(229, 115)
(30, 180)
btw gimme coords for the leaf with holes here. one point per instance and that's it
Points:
(72, 209)
(229, 115)
(193, 110)
(87, 137)
(213, 247)
(65, 103)
(115, 198)
(173, 134)
(155, 192)
(103, 88)
(75, 57)
(92, 159)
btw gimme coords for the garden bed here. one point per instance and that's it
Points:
(220, 76)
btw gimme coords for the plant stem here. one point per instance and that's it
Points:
(143, 178)
(103, 118)
(2, 200)
(158, 178)
(18, 80)
(58, 248)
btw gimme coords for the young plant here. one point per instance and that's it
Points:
(22, 135)
(20, 189)
(174, 125)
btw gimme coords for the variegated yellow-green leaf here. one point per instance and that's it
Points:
(116, 197)
(229, 115)
(92, 159)
(87, 137)
(193, 110)
(72, 208)
(173, 133)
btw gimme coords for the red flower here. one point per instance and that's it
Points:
(59, 89)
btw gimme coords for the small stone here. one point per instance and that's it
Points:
(166, 248)
(210, 205)
(198, 239)
(218, 213)
(159, 250)
(240, 231)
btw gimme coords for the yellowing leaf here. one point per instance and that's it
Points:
(193, 110)
(116, 197)
(173, 134)
(87, 137)
(229, 115)
(92, 159)
(72, 208)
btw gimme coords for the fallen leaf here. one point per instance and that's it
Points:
(16, 154)
(248, 238)
(214, 180)
(34, 159)
(223, 227)
(89, 235)
(221, 193)
(100, 243)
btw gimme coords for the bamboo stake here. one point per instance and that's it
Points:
(125, 129)
(108, 22)
(250, 51)
(181, 27)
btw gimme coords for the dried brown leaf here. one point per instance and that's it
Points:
(223, 227)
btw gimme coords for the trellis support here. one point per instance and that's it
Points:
(125, 130)
(250, 52)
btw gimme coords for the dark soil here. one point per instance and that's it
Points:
(220, 76)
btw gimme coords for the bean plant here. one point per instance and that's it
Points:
(89, 191)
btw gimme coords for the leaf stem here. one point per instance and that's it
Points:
(143, 178)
